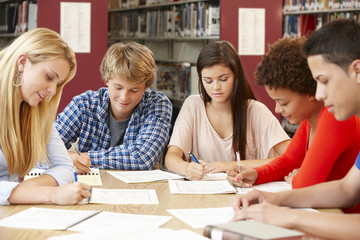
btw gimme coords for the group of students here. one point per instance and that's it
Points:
(125, 125)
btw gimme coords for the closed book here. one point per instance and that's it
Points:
(250, 230)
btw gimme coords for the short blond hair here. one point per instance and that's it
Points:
(132, 61)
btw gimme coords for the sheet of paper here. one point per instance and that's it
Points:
(92, 178)
(277, 186)
(200, 217)
(108, 221)
(45, 218)
(75, 25)
(144, 176)
(200, 187)
(123, 196)
(251, 31)
(214, 176)
(152, 234)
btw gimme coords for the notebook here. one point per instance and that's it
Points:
(251, 230)
(92, 178)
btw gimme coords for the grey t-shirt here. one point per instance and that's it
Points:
(117, 130)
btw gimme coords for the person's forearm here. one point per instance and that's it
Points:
(30, 194)
(176, 164)
(325, 225)
(323, 195)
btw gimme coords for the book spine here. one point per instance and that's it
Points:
(217, 233)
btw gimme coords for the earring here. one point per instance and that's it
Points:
(18, 80)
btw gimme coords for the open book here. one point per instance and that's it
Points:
(80, 220)
(92, 178)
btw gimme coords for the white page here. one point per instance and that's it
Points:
(152, 234)
(200, 217)
(123, 196)
(214, 176)
(109, 221)
(200, 187)
(144, 176)
(276, 186)
(45, 218)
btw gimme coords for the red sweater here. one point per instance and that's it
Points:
(332, 153)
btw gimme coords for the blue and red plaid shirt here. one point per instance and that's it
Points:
(147, 133)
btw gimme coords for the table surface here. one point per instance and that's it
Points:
(166, 201)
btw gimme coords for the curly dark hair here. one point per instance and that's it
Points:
(284, 66)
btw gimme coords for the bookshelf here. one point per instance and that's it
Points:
(301, 18)
(175, 31)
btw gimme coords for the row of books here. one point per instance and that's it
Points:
(176, 80)
(18, 17)
(123, 4)
(313, 5)
(304, 25)
(188, 20)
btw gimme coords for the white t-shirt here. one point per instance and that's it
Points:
(194, 132)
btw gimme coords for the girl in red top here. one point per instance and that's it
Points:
(322, 149)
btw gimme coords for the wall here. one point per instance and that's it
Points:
(273, 31)
(88, 75)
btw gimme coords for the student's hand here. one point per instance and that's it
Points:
(253, 197)
(81, 162)
(266, 213)
(196, 171)
(246, 178)
(291, 176)
(219, 166)
(71, 193)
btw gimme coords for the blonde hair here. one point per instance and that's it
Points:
(132, 61)
(25, 130)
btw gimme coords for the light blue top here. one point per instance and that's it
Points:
(61, 167)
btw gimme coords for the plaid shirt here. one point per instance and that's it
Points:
(147, 133)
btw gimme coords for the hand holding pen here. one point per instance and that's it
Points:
(196, 168)
(80, 160)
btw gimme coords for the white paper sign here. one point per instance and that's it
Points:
(251, 31)
(75, 25)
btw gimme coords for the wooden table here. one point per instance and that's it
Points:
(166, 201)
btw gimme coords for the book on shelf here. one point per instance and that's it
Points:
(186, 20)
(8, 18)
(250, 230)
(177, 80)
(313, 5)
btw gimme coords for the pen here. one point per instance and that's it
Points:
(238, 160)
(193, 157)
(76, 150)
(75, 174)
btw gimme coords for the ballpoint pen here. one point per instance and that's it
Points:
(193, 157)
(75, 174)
(238, 160)
(76, 150)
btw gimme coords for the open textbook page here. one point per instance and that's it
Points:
(200, 187)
